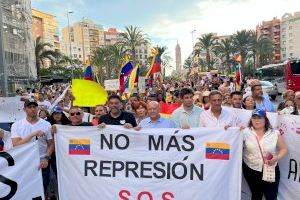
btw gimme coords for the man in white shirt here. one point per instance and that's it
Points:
(33, 128)
(187, 116)
(43, 103)
(216, 116)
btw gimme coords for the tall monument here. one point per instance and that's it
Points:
(178, 57)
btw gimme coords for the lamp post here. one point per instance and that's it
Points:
(69, 12)
(192, 32)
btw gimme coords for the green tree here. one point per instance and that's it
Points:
(265, 50)
(131, 39)
(226, 50)
(43, 52)
(207, 43)
(242, 43)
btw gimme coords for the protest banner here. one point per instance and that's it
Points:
(11, 109)
(289, 186)
(117, 163)
(142, 84)
(20, 177)
(112, 85)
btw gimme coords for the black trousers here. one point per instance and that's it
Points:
(259, 187)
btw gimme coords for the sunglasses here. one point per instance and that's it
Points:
(77, 113)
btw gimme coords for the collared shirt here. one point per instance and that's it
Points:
(265, 105)
(160, 123)
(251, 154)
(182, 117)
(227, 118)
(124, 117)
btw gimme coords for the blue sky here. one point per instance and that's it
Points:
(166, 21)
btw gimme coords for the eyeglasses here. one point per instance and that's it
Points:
(77, 113)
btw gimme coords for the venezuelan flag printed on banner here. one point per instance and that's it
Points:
(88, 93)
(166, 110)
(134, 77)
(79, 147)
(217, 151)
(125, 71)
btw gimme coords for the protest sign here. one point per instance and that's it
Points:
(112, 85)
(20, 177)
(289, 186)
(117, 163)
(11, 109)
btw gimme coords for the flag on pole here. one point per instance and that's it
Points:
(134, 77)
(88, 73)
(154, 73)
(125, 71)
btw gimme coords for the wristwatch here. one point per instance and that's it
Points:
(47, 158)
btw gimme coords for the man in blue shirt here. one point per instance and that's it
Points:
(155, 120)
(261, 102)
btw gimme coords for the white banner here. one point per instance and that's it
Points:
(162, 164)
(113, 84)
(289, 186)
(19, 174)
(11, 109)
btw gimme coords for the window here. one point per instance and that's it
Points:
(295, 67)
(290, 27)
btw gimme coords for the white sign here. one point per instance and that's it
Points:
(142, 84)
(289, 186)
(20, 177)
(113, 84)
(117, 163)
(11, 109)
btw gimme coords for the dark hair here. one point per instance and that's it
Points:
(214, 92)
(267, 123)
(244, 102)
(185, 91)
(114, 96)
(295, 112)
(253, 87)
(235, 93)
(141, 103)
(135, 95)
(64, 119)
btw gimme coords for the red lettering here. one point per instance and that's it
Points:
(124, 192)
(141, 194)
(167, 196)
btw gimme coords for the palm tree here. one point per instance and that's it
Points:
(206, 43)
(132, 38)
(265, 50)
(242, 43)
(226, 50)
(43, 52)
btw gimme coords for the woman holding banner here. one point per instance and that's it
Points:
(263, 147)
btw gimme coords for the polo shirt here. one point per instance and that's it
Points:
(181, 117)
(160, 123)
(124, 117)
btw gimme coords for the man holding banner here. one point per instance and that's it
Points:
(33, 128)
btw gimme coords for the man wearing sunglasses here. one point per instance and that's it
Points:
(76, 117)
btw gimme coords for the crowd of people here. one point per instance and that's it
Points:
(203, 104)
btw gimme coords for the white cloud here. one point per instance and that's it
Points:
(222, 17)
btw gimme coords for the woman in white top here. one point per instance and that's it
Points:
(260, 137)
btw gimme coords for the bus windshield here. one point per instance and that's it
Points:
(295, 68)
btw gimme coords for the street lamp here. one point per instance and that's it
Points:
(69, 12)
(192, 32)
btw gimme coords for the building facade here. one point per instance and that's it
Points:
(290, 35)
(111, 36)
(44, 25)
(85, 36)
(178, 57)
(271, 29)
(17, 61)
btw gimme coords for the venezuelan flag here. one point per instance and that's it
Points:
(125, 71)
(166, 110)
(155, 64)
(88, 73)
(217, 151)
(79, 147)
(134, 77)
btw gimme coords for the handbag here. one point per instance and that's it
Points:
(268, 171)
